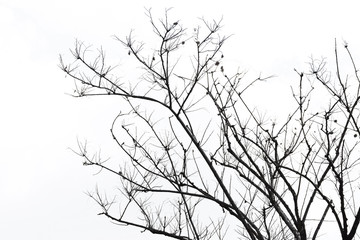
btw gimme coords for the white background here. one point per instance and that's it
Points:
(42, 183)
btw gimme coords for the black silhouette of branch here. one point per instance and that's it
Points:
(191, 141)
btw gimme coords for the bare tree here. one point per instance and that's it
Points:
(199, 162)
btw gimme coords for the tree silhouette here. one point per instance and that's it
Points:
(199, 162)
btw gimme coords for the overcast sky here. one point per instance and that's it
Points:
(42, 183)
